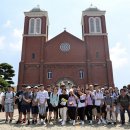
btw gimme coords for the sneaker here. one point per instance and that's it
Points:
(28, 122)
(82, 122)
(6, 121)
(39, 122)
(115, 123)
(10, 121)
(60, 120)
(103, 121)
(90, 122)
(99, 122)
(123, 123)
(18, 122)
(33, 122)
(24, 120)
(73, 122)
(44, 122)
(63, 123)
(109, 123)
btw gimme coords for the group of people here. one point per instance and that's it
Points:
(58, 104)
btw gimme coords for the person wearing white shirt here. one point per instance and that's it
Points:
(1, 96)
(98, 96)
(81, 105)
(42, 97)
(8, 100)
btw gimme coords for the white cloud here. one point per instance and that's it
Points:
(2, 42)
(8, 24)
(118, 55)
(17, 44)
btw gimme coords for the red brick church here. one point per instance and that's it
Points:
(65, 58)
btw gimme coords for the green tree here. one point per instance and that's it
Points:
(3, 84)
(7, 73)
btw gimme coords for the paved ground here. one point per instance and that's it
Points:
(13, 126)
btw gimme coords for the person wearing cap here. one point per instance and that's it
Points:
(26, 103)
(8, 102)
(34, 107)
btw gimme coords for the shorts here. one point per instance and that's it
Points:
(55, 109)
(49, 108)
(9, 107)
(117, 109)
(98, 109)
(34, 109)
(25, 108)
(103, 109)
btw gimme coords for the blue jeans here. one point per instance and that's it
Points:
(122, 114)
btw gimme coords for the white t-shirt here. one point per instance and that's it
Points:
(41, 96)
(98, 95)
(82, 98)
(1, 96)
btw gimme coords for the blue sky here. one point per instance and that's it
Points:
(67, 14)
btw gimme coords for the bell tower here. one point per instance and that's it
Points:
(94, 34)
(35, 34)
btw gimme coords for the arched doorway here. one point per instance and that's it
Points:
(67, 81)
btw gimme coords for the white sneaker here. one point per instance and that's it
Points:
(104, 122)
(44, 123)
(63, 123)
(60, 120)
(90, 122)
(39, 122)
(82, 122)
(73, 122)
(99, 122)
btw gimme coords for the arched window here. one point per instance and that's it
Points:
(49, 75)
(81, 74)
(98, 24)
(91, 25)
(38, 26)
(32, 26)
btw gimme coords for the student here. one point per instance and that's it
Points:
(26, 103)
(124, 102)
(42, 97)
(54, 99)
(49, 106)
(18, 102)
(89, 106)
(81, 105)
(98, 96)
(63, 98)
(72, 105)
(110, 108)
(34, 107)
(8, 101)
(1, 96)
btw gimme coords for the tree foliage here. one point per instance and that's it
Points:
(6, 73)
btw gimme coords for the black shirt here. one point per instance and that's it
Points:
(63, 98)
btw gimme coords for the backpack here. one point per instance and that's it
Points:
(6, 93)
